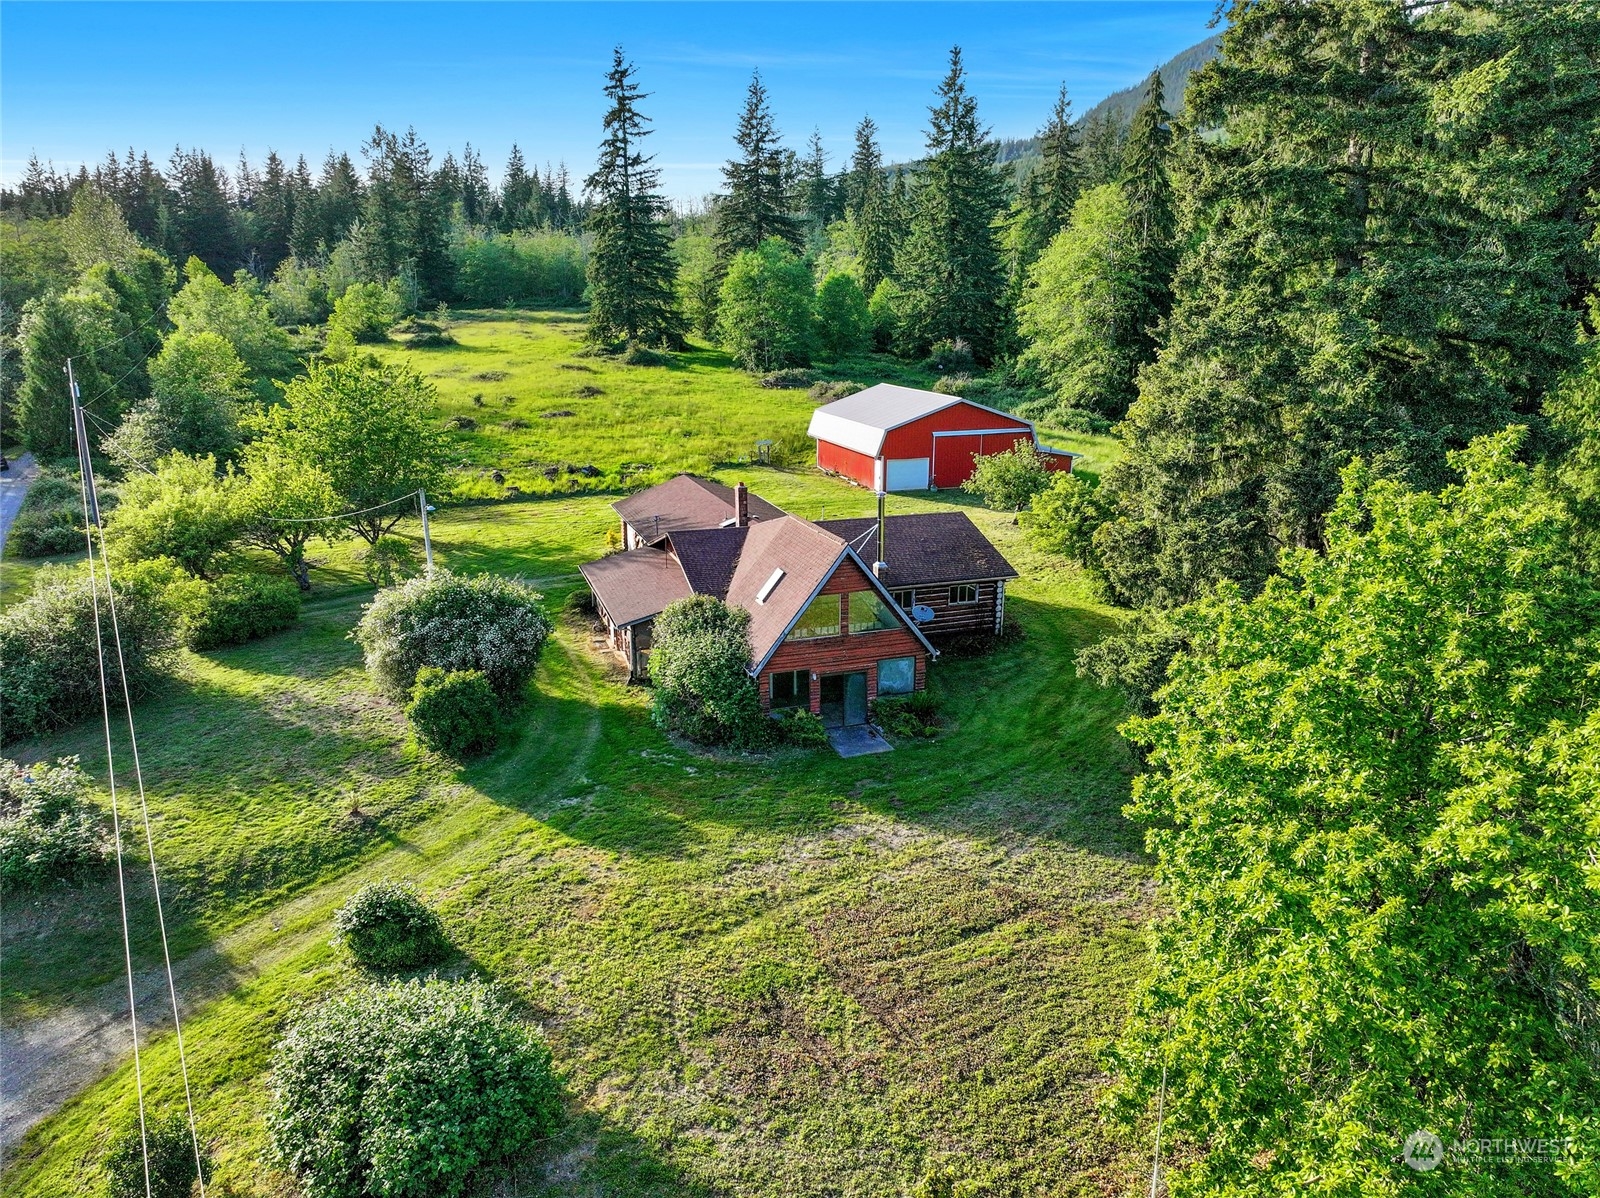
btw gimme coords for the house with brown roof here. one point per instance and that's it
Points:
(828, 631)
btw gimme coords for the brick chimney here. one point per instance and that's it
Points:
(741, 505)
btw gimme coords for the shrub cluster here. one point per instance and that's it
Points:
(49, 668)
(451, 622)
(453, 713)
(49, 831)
(913, 715)
(172, 1159)
(951, 357)
(408, 1089)
(1008, 481)
(790, 378)
(831, 389)
(212, 614)
(50, 520)
(700, 664)
(386, 926)
(801, 728)
(239, 608)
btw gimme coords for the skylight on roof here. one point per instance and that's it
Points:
(769, 586)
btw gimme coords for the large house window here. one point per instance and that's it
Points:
(897, 675)
(869, 613)
(905, 600)
(967, 592)
(791, 688)
(820, 618)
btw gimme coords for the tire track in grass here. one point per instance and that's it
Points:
(46, 1061)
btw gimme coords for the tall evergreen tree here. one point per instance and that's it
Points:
(756, 205)
(474, 187)
(866, 169)
(516, 191)
(950, 266)
(274, 215)
(203, 218)
(1044, 204)
(1386, 257)
(632, 276)
(816, 190)
(1147, 188)
(402, 213)
(1100, 155)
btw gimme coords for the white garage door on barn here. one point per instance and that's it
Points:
(907, 474)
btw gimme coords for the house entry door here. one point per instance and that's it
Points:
(855, 699)
(844, 700)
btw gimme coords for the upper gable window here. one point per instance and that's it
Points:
(820, 618)
(869, 613)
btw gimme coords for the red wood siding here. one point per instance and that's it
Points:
(857, 467)
(848, 652)
(953, 457)
(915, 440)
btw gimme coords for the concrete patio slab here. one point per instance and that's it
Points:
(858, 741)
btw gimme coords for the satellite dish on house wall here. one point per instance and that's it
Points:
(921, 613)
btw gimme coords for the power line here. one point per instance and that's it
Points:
(91, 519)
(91, 503)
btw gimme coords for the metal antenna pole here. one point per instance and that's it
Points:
(1161, 1110)
(427, 540)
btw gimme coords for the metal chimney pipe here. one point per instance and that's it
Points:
(880, 566)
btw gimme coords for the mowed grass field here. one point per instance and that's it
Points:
(788, 974)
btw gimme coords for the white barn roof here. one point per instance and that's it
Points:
(861, 421)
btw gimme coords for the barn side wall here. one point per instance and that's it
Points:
(857, 467)
(915, 440)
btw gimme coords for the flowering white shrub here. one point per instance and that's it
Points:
(484, 623)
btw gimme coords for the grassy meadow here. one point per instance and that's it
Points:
(789, 974)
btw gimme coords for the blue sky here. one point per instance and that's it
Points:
(77, 79)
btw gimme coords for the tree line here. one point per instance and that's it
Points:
(400, 205)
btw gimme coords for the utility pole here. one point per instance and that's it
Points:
(427, 541)
(81, 435)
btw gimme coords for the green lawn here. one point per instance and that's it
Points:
(781, 975)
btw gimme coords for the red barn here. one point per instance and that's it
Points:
(893, 438)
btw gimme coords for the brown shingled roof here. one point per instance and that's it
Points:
(708, 557)
(686, 502)
(636, 585)
(925, 548)
(805, 553)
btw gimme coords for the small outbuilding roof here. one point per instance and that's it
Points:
(685, 501)
(861, 421)
(925, 548)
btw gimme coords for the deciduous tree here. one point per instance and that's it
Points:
(1372, 811)
(370, 429)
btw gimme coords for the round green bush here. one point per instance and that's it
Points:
(44, 532)
(453, 713)
(49, 670)
(242, 607)
(172, 1159)
(49, 831)
(386, 926)
(452, 622)
(700, 667)
(412, 1088)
